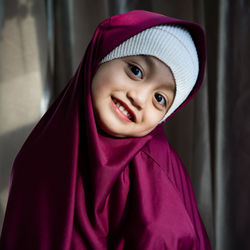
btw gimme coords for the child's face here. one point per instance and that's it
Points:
(131, 95)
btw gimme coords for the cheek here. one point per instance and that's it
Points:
(96, 86)
(99, 90)
(153, 116)
(102, 84)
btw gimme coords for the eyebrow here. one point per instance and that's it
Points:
(149, 61)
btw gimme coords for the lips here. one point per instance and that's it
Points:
(125, 110)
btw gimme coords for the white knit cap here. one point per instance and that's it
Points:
(174, 46)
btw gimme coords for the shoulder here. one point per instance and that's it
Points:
(162, 153)
(164, 156)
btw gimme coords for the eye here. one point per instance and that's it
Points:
(160, 99)
(136, 71)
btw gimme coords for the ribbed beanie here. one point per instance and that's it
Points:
(174, 46)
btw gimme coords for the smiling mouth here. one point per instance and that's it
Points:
(124, 109)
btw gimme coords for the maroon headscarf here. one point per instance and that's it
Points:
(74, 188)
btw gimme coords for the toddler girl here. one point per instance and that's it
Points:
(97, 171)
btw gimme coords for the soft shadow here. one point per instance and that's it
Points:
(10, 144)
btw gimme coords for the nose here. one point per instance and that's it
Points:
(138, 96)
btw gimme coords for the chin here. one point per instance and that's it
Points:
(114, 133)
(122, 134)
(115, 128)
(111, 130)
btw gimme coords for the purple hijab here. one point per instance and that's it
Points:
(74, 188)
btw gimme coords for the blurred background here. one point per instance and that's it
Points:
(41, 45)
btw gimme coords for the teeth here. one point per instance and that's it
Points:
(123, 109)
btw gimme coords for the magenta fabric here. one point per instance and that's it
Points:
(74, 188)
